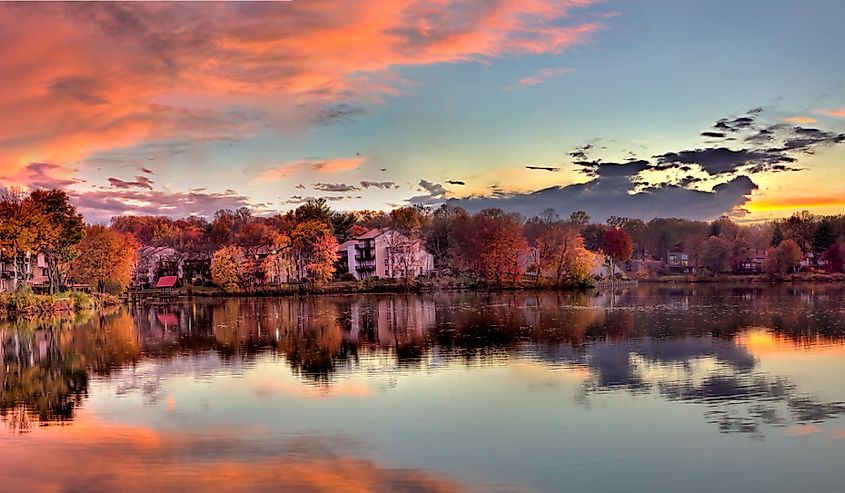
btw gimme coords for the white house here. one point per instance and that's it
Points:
(36, 265)
(384, 253)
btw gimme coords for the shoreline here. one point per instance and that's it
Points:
(27, 305)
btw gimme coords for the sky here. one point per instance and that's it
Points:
(630, 108)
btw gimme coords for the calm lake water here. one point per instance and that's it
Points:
(646, 388)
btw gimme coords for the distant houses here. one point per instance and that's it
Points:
(383, 253)
(157, 262)
(379, 253)
(680, 262)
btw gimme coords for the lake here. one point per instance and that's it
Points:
(642, 388)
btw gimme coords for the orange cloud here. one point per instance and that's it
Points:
(839, 112)
(338, 165)
(81, 78)
(800, 119)
(335, 165)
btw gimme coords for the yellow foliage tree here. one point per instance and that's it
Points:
(227, 268)
(106, 259)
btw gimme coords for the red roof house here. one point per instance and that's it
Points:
(166, 282)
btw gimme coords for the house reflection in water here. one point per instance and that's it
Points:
(390, 321)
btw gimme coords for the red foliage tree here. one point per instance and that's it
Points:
(617, 246)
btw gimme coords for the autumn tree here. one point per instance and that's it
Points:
(313, 251)
(784, 258)
(835, 257)
(800, 227)
(561, 252)
(716, 254)
(277, 266)
(407, 220)
(617, 247)
(25, 231)
(68, 229)
(490, 245)
(254, 238)
(229, 268)
(106, 259)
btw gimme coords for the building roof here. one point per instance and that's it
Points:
(166, 282)
(369, 235)
(346, 244)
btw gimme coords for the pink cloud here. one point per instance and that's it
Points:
(838, 112)
(82, 78)
(333, 165)
(338, 165)
(539, 77)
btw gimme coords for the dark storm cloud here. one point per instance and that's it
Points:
(605, 196)
(613, 170)
(721, 160)
(334, 187)
(615, 186)
(806, 140)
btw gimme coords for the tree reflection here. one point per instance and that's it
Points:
(46, 364)
(679, 342)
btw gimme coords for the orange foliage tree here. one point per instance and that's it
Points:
(784, 258)
(561, 252)
(490, 245)
(313, 251)
(106, 259)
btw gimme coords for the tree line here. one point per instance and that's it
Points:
(492, 246)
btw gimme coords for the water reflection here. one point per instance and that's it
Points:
(120, 459)
(690, 344)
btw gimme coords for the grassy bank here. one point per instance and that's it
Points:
(356, 287)
(26, 303)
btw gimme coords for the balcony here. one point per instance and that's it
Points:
(365, 267)
(365, 257)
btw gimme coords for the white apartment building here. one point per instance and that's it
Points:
(384, 253)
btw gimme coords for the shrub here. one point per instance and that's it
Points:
(81, 300)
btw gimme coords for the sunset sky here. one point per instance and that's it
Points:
(633, 108)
